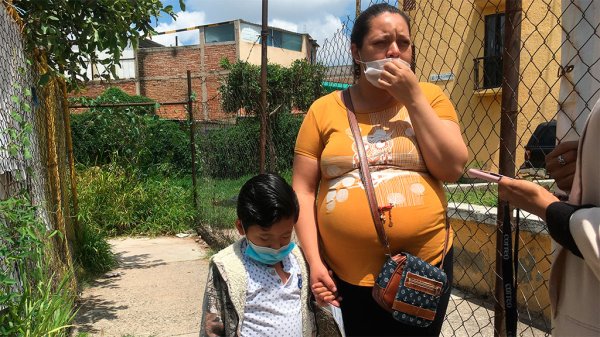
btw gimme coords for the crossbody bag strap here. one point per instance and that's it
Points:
(365, 173)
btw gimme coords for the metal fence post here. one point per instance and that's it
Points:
(508, 131)
(263, 86)
(192, 137)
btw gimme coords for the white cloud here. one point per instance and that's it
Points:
(322, 28)
(184, 20)
(318, 18)
(289, 26)
(321, 19)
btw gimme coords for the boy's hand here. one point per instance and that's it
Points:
(323, 287)
(560, 164)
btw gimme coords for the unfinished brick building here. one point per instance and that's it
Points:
(160, 72)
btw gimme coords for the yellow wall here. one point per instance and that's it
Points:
(474, 263)
(251, 52)
(450, 34)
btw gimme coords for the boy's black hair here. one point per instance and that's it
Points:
(266, 199)
(362, 25)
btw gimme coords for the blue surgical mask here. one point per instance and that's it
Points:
(266, 255)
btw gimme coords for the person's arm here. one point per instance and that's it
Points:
(558, 219)
(526, 195)
(574, 227)
(440, 141)
(305, 181)
(211, 324)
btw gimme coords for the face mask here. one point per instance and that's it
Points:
(266, 255)
(373, 69)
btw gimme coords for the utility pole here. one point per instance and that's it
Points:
(264, 33)
(508, 134)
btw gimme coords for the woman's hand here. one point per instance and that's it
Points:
(323, 286)
(400, 82)
(562, 173)
(526, 195)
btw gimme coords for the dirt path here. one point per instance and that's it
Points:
(156, 291)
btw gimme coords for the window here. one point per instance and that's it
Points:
(492, 51)
(291, 41)
(275, 39)
(220, 33)
(285, 40)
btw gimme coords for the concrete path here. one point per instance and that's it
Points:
(156, 291)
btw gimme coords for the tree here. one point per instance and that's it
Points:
(71, 32)
(294, 87)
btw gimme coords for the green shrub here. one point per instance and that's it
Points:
(285, 130)
(297, 86)
(129, 136)
(167, 145)
(122, 201)
(232, 152)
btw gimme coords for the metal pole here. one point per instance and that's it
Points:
(263, 87)
(69, 142)
(192, 137)
(508, 136)
(358, 9)
(116, 105)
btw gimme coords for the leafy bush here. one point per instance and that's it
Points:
(285, 128)
(129, 136)
(34, 300)
(121, 201)
(167, 145)
(294, 87)
(231, 152)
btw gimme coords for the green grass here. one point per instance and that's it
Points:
(218, 199)
(119, 202)
(477, 196)
(125, 202)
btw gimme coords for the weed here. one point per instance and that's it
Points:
(93, 253)
(34, 301)
(120, 201)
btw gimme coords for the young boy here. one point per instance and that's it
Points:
(258, 286)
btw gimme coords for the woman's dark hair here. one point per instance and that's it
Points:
(266, 199)
(362, 25)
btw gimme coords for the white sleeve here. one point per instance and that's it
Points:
(585, 227)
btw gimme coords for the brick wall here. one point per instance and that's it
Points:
(163, 77)
(96, 88)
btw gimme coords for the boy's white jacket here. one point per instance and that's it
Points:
(225, 298)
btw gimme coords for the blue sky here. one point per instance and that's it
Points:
(319, 18)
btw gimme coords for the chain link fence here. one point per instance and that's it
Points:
(34, 161)
(459, 45)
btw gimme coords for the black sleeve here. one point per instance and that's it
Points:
(558, 215)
